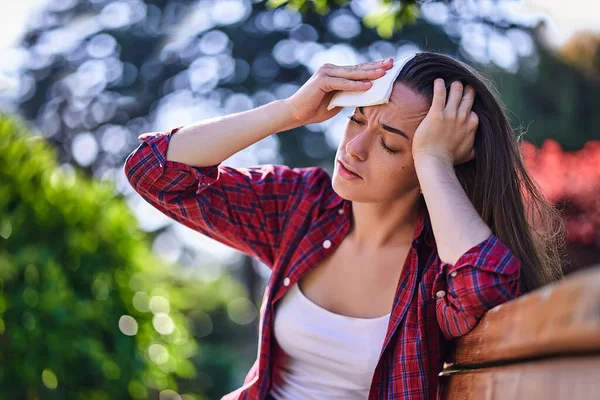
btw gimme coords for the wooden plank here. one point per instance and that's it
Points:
(561, 318)
(573, 378)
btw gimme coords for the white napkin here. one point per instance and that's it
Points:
(379, 92)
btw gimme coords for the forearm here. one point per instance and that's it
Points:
(456, 224)
(212, 141)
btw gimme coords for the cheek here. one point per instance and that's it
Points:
(406, 176)
(397, 176)
(408, 167)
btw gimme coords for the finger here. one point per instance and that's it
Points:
(334, 83)
(373, 64)
(456, 93)
(473, 120)
(467, 101)
(439, 95)
(356, 73)
(343, 70)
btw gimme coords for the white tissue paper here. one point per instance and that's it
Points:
(378, 93)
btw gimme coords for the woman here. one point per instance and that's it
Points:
(424, 226)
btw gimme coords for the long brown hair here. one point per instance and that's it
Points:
(496, 181)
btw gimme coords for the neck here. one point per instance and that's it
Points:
(376, 226)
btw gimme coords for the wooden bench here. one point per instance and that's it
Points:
(542, 345)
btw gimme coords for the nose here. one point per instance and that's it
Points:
(358, 146)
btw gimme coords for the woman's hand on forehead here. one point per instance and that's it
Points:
(448, 130)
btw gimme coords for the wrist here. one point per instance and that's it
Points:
(432, 159)
(286, 111)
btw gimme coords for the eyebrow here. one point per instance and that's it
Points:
(384, 126)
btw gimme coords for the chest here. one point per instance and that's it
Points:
(356, 284)
(365, 286)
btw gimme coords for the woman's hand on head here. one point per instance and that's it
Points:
(309, 104)
(448, 130)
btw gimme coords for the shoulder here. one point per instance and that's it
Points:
(303, 173)
(303, 187)
(299, 179)
(314, 181)
(287, 186)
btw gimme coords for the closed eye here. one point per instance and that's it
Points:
(387, 149)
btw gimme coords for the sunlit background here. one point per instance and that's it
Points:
(146, 305)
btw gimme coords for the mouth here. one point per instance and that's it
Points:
(346, 171)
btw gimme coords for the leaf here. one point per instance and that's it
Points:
(275, 3)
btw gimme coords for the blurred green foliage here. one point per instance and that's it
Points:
(76, 272)
(387, 17)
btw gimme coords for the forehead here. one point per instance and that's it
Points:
(405, 105)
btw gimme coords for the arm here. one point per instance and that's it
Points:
(477, 271)
(182, 176)
(244, 208)
(212, 141)
(450, 209)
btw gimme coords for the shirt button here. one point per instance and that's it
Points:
(341, 211)
(327, 244)
(286, 282)
(453, 273)
(440, 294)
(160, 165)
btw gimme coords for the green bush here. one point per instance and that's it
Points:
(76, 278)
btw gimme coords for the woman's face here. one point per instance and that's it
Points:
(384, 176)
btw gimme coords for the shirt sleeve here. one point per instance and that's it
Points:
(483, 277)
(243, 208)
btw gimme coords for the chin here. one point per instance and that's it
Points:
(345, 190)
(362, 194)
(340, 187)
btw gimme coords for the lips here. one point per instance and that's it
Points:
(349, 168)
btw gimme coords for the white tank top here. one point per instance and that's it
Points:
(325, 355)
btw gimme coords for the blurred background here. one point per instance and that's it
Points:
(104, 297)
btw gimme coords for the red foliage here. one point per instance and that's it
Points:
(570, 180)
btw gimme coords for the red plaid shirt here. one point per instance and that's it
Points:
(291, 219)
